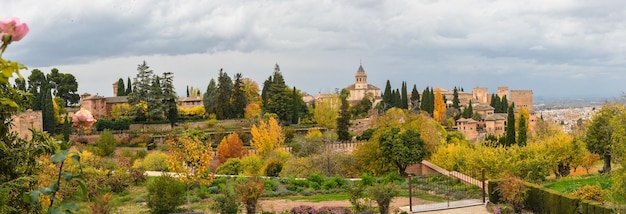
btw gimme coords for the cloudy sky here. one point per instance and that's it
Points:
(557, 48)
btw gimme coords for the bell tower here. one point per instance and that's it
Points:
(360, 79)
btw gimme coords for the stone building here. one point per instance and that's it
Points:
(24, 121)
(99, 106)
(481, 95)
(361, 88)
(522, 98)
(486, 121)
(189, 102)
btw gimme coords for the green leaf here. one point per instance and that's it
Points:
(76, 157)
(59, 157)
(67, 176)
(55, 210)
(34, 196)
(45, 190)
(69, 206)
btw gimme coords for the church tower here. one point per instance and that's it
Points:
(360, 79)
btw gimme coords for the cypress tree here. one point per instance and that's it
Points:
(493, 103)
(129, 86)
(522, 131)
(424, 102)
(431, 101)
(405, 99)
(455, 98)
(47, 109)
(397, 101)
(343, 121)
(66, 129)
(172, 114)
(121, 89)
(264, 91)
(415, 99)
(187, 90)
(468, 112)
(36, 103)
(388, 96)
(294, 106)
(510, 127)
(504, 104)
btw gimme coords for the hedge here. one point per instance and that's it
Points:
(543, 200)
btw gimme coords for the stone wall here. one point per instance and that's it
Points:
(22, 122)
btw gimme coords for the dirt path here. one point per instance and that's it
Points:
(279, 205)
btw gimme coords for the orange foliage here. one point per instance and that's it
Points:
(439, 114)
(231, 146)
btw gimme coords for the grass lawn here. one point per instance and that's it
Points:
(570, 184)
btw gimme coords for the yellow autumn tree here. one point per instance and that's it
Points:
(189, 159)
(121, 110)
(523, 111)
(326, 111)
(267, 137)
(252, 113)
(440, 107)
(231, 146)
(251, 89)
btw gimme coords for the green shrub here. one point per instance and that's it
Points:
(316, 178)
(155, 161)
(232, 166)
(383, 193)
(367, 180)
(141, 154)
(226, 202)
(106, 144)
(141, 140)
(273, 168)
(118, 181)
(251, 165)
(128, 154)
(212, 121)
(137, 175)
(165, 194)
(494, 196)
(271, 185)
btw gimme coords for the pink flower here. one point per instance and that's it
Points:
(83, 117)
(12, 29)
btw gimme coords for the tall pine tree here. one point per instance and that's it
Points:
(169, 98)
(224, 93)
(277, 98)
(239, 100)
(209, 99)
